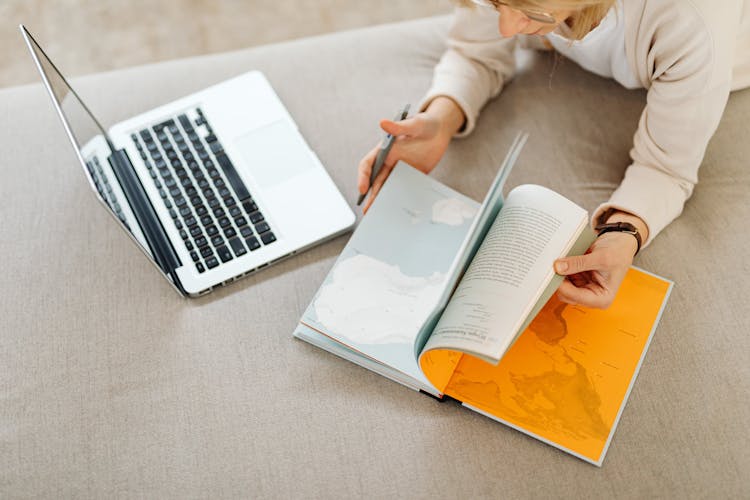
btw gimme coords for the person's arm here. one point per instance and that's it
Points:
(690, 82)
(475, 67)
(690, 56)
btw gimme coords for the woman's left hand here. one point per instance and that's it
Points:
(592, 279)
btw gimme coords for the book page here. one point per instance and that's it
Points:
(388, 279)
(567, 378)
(509, 273)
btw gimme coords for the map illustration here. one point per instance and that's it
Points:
(390, 276)
(567, 377)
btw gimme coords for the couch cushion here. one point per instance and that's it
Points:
(112, 385)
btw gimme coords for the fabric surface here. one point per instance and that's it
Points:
(111, 385)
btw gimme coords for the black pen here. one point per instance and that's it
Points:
(385, 148)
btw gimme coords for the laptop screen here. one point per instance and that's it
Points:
(91, 143)
(80, 122)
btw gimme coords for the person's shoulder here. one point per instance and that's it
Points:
(687, 37)
(697, 17)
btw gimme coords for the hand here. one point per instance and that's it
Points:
(592, 280)
(421, 142)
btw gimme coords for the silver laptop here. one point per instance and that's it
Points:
(212, 186)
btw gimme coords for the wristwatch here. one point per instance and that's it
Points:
(620, 227)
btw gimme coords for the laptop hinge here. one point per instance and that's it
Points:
(156, 238)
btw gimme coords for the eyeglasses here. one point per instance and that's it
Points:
(534, 15)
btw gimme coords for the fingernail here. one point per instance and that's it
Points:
(561, 266)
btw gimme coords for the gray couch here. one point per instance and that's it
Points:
(111, 385)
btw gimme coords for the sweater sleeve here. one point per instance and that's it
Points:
(690, 80)
(476, 64)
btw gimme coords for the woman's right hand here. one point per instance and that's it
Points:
(420, 141)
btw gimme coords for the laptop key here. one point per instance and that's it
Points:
(224, 253)
(185, 122)
(216, 147)
(246, 231)
(212, 230)
(262, 227)
(207, 252)
(256, 217)
(250, 206)
(232, 176)
(230, 202)
(201, 241)
(268, 238)
(235, 211)
(200, 267)
(194, 256)
(252, 243)
(212, 262)
(240, 221)
(230, 232)
(217, 241)
(237, 246)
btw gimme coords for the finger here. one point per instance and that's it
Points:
(378, 183)
(364, 170)
(410, 126)
(571, 294)
(577, 264)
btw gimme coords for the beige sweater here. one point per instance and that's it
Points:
(689, 54)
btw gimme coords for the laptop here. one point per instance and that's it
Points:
(212, 186)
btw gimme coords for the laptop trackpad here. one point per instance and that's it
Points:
(274, 153)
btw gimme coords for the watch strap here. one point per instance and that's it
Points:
(620, 227)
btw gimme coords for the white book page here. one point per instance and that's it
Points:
(509, 272)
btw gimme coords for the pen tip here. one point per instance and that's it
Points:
(361, 198)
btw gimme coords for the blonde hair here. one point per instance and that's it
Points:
(586, 13)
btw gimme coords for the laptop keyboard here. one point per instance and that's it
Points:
(104, 187)
(210, 206)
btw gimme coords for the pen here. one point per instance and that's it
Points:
(385, 148)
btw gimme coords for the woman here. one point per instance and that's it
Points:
(689, 54)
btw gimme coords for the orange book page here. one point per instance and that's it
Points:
(568, 374)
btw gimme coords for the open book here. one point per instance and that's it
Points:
(455, 299)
